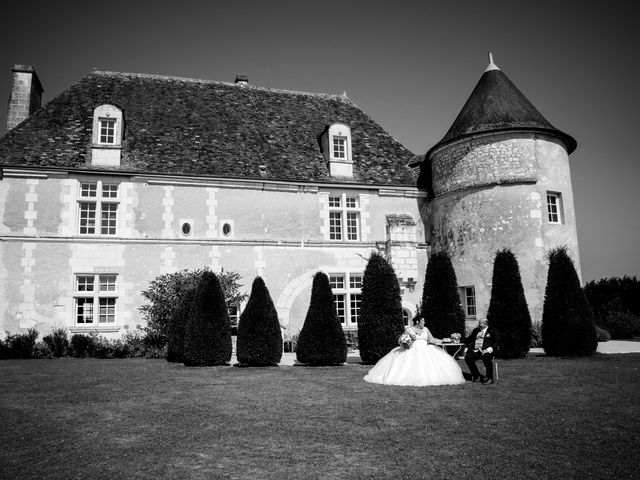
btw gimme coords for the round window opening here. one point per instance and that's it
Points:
(226, 229)
(186, 228)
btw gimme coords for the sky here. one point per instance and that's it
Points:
(410, 65)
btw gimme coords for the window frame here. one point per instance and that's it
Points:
(468, 301)
(106, 131)
(347, 297)
(103, 301)
(555, 211)
(339, 147)
(345, 217)
(98, 204)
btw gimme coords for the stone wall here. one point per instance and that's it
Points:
(484, 160)
(279, 233)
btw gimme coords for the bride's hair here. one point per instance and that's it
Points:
(416, 319)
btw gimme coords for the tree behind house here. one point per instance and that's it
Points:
(380, 323)
(259, 333)
(441, 307)
(169, 298)
(567, 319)
(616, 305)
(508, 313)
(207, 335)
(321, 340)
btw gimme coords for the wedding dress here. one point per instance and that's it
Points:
(420, 365)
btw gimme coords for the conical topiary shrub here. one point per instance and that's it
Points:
(441, 307)
(259, 334)
(321, 340)
(380, 323)
(178, 321)
(508, 313)
(568, 328)
(207, 335)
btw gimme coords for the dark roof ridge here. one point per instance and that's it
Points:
(342, 97)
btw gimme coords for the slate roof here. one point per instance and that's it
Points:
(496, 104)
(200, 127)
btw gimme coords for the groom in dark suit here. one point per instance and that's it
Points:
(481, 344)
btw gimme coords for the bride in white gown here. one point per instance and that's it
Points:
(419, 365)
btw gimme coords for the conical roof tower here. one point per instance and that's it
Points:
(497, 105)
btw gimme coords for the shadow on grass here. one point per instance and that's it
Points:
(133, 418)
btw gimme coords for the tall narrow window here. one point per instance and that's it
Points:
(554, 207)
(98, 208)
(347, 296)
(468, 301)
(339, 147)
(95, 299)
(107, 131)
(344, 217)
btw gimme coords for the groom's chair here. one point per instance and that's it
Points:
(494, 362)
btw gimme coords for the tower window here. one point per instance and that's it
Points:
(554, 207)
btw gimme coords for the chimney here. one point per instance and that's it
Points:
(26, 95)
(242, 80)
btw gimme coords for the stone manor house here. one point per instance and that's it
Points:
(123, 177)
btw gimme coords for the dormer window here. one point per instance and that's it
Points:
(335, 143)
(106, 139)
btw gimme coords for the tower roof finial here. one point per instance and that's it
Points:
(491, 66)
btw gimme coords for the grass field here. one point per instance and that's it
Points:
(127, 419)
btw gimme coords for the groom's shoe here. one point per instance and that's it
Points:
(486, 381)
(475, 378)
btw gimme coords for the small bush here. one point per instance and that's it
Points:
(4, 349)
(602, 334)
(57, 341)
(109, 348)
(82, 345)
(22, 345)
(42, 350)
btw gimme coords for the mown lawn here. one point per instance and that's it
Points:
(127, 419)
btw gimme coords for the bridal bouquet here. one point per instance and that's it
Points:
(406, 339)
